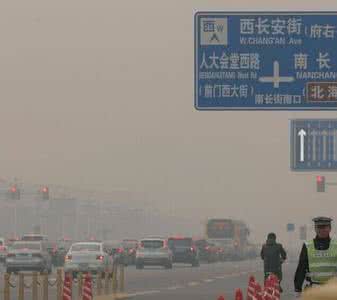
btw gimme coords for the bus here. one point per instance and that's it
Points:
(231, 235)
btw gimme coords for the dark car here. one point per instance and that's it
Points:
(207, 251)
(116, 250)
(59, 251)
(184, 250)
(130, 249)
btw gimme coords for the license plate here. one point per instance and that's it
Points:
(24, 255)
(83, 266)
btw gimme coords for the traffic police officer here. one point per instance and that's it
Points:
(318, 259)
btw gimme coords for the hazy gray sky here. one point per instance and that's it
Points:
(101, 92)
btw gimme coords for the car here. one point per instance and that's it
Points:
(87, 257)
(207, 251)
(60, 251)
(184, 250)
(3, 250)
(226, 250)
(28, 256)
(130, 249)
(116, 250)
(153, 252)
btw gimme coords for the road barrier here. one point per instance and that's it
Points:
(251, 288)
(238, 294)
(87, 288)
(270, 291)
(65, 287)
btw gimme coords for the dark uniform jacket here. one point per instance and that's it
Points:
(303, 263)
(272, 254)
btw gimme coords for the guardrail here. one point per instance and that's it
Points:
(40, 285)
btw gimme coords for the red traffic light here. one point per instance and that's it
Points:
(320, 183)
(13, 189)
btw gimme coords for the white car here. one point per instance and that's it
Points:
(88, 257)
(153, 252)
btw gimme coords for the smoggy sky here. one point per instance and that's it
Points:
(100, 93)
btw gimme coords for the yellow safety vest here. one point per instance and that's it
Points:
(322, 263)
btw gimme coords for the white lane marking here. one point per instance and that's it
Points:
(208, 280)
(193, 283)
(221, 277)
(144, 293)
(173, 288)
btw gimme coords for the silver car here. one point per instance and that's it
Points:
(28, 256)
(88, 257)
(153, 252)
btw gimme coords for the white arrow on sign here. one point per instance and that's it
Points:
(302, 134)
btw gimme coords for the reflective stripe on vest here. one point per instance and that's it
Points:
(322, 263)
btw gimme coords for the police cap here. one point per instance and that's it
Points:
(321, 221)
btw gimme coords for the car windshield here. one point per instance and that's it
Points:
(180, 242)
(85, 247)
(152, 244)
(222, 242)
(29, 246)
(32, 238)
(130, 244)
(201, 243)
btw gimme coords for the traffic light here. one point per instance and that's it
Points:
(45, 193)
(320, 184)
(14, 192)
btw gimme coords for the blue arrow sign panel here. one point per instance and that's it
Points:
(266, 61)
(290, 227)
(314, 144)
